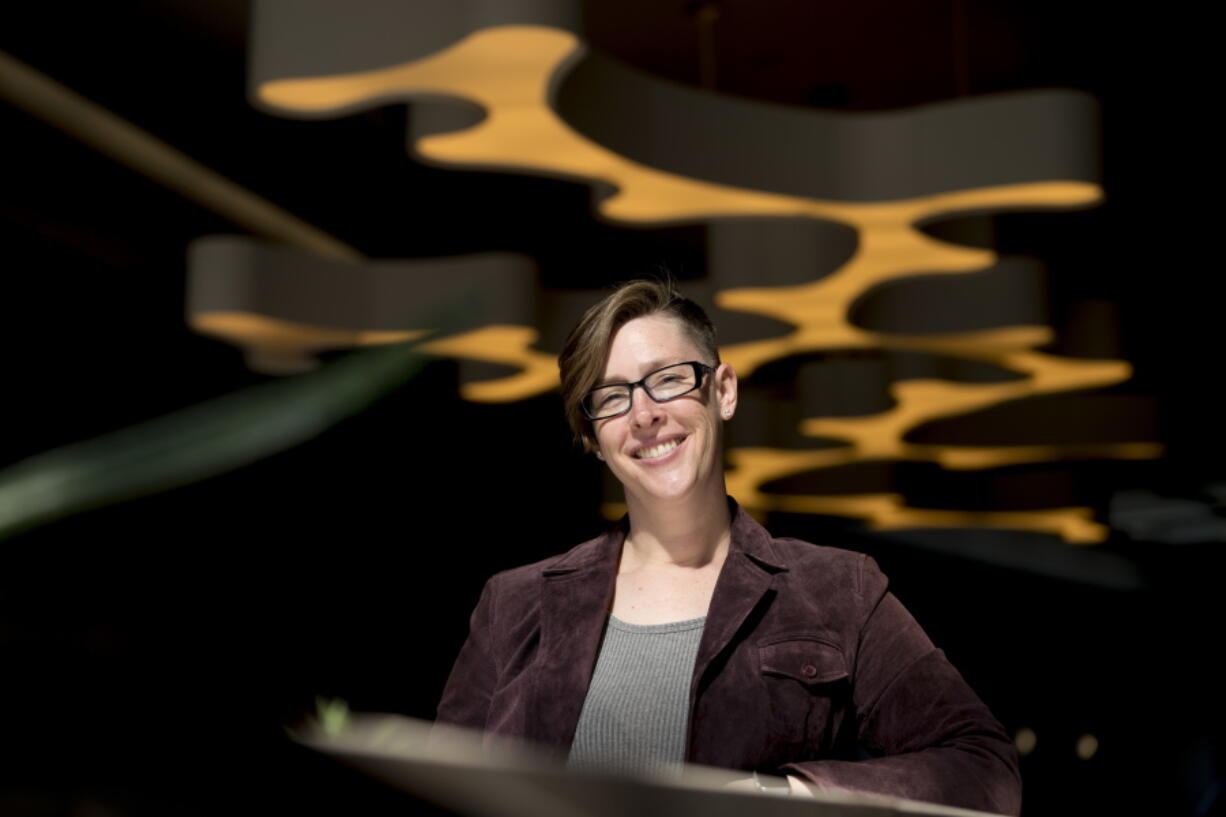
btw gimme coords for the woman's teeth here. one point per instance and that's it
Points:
(657, 450)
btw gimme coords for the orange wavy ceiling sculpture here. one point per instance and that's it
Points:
(509, 72)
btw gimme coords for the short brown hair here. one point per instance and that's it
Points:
(582, 360)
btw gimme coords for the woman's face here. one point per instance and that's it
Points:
(668, 450)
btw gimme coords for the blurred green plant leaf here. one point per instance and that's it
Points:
(202, 441)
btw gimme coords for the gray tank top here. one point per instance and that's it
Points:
(636, 713)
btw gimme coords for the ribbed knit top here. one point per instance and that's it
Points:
(636, 713)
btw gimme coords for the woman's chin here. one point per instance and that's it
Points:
(669, 489)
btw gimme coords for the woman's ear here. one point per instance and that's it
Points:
(725, 390)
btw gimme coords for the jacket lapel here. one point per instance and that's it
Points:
(744, 583)
(575, 596)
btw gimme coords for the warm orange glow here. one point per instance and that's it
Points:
(286, 344)
(247, 327)
(880, 436)
(508, 345)
(966, 458)
(509, 70)
(754, 467)
(1025, 740)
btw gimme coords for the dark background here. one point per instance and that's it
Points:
(152, 650)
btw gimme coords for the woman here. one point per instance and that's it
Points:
(688, 633)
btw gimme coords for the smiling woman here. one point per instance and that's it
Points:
(687, 634)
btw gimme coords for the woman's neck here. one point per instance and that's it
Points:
(693, 532)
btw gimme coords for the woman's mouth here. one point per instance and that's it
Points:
(658, 450)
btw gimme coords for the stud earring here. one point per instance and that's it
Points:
(727, 413)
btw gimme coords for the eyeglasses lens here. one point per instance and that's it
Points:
(671, 382)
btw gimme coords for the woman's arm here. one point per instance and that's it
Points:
(929, 735)
(466, 697)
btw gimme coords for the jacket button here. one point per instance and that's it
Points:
(809, 670)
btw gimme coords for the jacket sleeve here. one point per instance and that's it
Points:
(466, 697)
(928, 735)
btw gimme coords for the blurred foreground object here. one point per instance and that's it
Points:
(484, 776)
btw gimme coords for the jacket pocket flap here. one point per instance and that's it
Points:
(806, 660)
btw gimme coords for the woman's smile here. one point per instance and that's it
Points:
(658, 451)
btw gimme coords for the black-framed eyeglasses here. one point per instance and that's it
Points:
(662, 385)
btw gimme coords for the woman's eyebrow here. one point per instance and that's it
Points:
(648, 367)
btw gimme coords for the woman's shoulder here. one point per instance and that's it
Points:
(801, 553)
(822, 568)
(826, 565)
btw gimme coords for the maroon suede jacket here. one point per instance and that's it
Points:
(807, 666)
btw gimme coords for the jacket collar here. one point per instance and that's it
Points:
(603, 552)
(576, 591)
(753, 540)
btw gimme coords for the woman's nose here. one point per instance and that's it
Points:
(643, 410)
